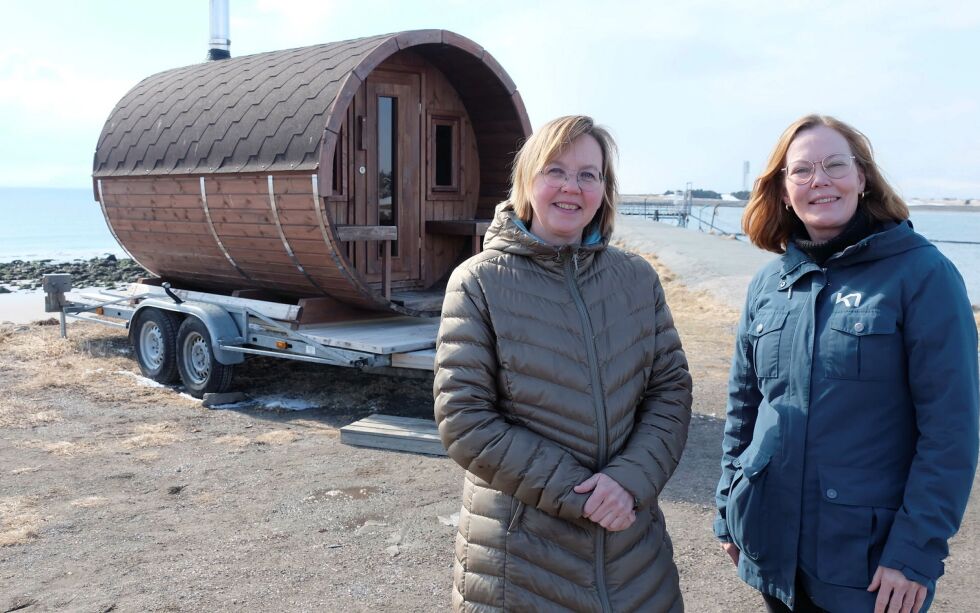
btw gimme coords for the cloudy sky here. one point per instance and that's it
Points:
(690, 89)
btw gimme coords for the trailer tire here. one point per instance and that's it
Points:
(200, 372)
(154, 342)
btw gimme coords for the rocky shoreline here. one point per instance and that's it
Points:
(107, 271)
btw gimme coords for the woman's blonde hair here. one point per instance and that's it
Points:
(548, 143)
(770, 225)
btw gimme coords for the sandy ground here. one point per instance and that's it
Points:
(22, 307)
(117, 495)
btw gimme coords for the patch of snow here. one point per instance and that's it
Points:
(285, 403)
(140, 380)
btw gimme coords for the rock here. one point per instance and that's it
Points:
(213, 400)
(4, 290)
(393, 551)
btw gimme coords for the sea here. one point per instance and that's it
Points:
(955, 231)
(67, 224)
(56, 224)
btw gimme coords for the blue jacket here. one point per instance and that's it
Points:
(852, 422)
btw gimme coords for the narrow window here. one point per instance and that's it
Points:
(337, 181)
(444, 155)
(388, 164)
(444, 148)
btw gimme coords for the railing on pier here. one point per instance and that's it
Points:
(684, 209)
(658, 208)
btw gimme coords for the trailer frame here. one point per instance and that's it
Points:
(237, 327)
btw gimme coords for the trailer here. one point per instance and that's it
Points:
(197, 338)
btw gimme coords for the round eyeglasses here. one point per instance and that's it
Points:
(835, 166)
(587, 180)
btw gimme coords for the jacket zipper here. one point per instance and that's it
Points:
(571, 267)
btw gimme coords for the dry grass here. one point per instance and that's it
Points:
(233, 440)
(85, 360)
(17, 413)
(25, 469)
(147, 457)
(60, 448)
(152, 435)
(89, 502)
(276, 437)
(19, 520)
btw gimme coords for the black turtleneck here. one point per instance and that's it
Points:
(858, 228)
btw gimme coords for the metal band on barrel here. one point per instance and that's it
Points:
(282, 235)
(214, 233)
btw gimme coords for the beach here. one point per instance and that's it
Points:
(118, 494)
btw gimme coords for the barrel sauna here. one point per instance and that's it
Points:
(360, 172)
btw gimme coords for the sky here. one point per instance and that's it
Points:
(690, 89)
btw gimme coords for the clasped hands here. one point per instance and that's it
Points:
(610, 505)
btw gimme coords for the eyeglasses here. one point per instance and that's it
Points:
(588, 180)
(835, 166)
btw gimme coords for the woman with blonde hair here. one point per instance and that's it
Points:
(852, 424)
(562, 389)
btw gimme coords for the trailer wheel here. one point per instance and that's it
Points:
(200, 372)
(153, 339)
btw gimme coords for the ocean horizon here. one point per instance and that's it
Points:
(60, 224)
(66, 224)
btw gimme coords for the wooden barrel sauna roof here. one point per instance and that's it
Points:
(281, 111)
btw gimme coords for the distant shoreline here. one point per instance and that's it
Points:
(914, 203)
(25, 275)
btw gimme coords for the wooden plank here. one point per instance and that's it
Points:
(154, 201)
(238, 202)
(380, 336)
(394, 433)
(152, 185)
(156, 214)
(245, 230)
(423, 359)
(367, 233)
(163, 230)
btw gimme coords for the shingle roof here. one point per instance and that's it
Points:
(263, 112)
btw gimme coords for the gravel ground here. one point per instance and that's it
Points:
(117, 495)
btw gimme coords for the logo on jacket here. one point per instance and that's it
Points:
(856, 297)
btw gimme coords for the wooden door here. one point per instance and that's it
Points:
(393, 182)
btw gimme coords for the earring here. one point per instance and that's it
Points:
(788, 207)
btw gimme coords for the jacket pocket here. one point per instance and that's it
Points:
(746, 510)
(863, 345)
(764, 333)
(856, 511)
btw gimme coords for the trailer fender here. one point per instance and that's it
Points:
(221, 324)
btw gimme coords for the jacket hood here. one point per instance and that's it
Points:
(892, 239)
(508, 234)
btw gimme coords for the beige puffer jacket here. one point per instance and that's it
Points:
(552, 364)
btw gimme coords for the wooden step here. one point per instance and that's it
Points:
(395, 433)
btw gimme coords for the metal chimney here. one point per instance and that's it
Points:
(218, 46)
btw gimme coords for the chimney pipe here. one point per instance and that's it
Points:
(218, 46)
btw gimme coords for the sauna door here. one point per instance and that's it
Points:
(392, 139)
